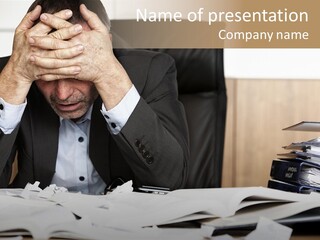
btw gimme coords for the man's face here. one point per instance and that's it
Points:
(69, 98)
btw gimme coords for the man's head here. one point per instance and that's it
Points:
(70, 98)
(53, 6)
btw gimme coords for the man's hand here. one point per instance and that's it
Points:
(24, 49)
(97, 62)
(19, 73)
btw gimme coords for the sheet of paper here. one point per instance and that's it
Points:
(305, 126)
(266, 229)
(127, 212)
(12, 238)
(130, 210)
(251, 216)
(225, 202)
(38, 221)
(85, 231)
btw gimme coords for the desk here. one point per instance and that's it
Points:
(126, 213)
(300, 237)
(305, 237)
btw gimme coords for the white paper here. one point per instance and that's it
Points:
(267, 229)
(126, 213)
(305, 126)
(251, 216)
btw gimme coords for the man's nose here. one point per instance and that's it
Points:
(64, 89)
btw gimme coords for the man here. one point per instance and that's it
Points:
(82, 116)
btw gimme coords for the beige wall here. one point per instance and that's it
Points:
(257, 111)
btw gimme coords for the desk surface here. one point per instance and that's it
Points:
(305, 237)
(301, 237)
(90, 206)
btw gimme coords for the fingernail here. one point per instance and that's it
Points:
(32, 59)
(77, 70)
(68, 13)
(31, 40)
(80, 48)
(78, 28)
(43, 17)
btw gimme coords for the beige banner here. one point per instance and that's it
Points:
(220, 24)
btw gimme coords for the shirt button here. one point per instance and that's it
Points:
(113, 125)
(80, 139)
(81, 178)
(1, 107)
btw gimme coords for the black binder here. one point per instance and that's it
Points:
(298, 171)
(291, 187)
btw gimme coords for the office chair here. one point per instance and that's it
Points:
(202, 90)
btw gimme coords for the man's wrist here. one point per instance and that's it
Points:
(119, 115)
(14, 87)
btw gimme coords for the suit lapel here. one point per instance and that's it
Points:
(45, 129)
(99, 142)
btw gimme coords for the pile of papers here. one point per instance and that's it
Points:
(124, 214)
(298, 169)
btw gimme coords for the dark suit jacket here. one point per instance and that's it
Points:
(151, 149)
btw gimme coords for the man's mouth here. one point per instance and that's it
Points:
(67, 107)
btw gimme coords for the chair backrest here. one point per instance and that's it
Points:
(202, 90)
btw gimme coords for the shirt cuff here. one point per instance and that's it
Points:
(10, 115)
(118, 116)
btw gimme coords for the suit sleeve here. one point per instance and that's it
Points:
(10, 120)
(7, 155)
(154, 140)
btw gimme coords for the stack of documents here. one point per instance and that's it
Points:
(133, 215)
(298, 169)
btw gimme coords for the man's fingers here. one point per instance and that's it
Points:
(54, 22)
(60, 73)
(42, 28)
(54, 77)
(49, 43)
(91, 18)
(67, 33)
(62, 53)
(51, 63)
(28, 21)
